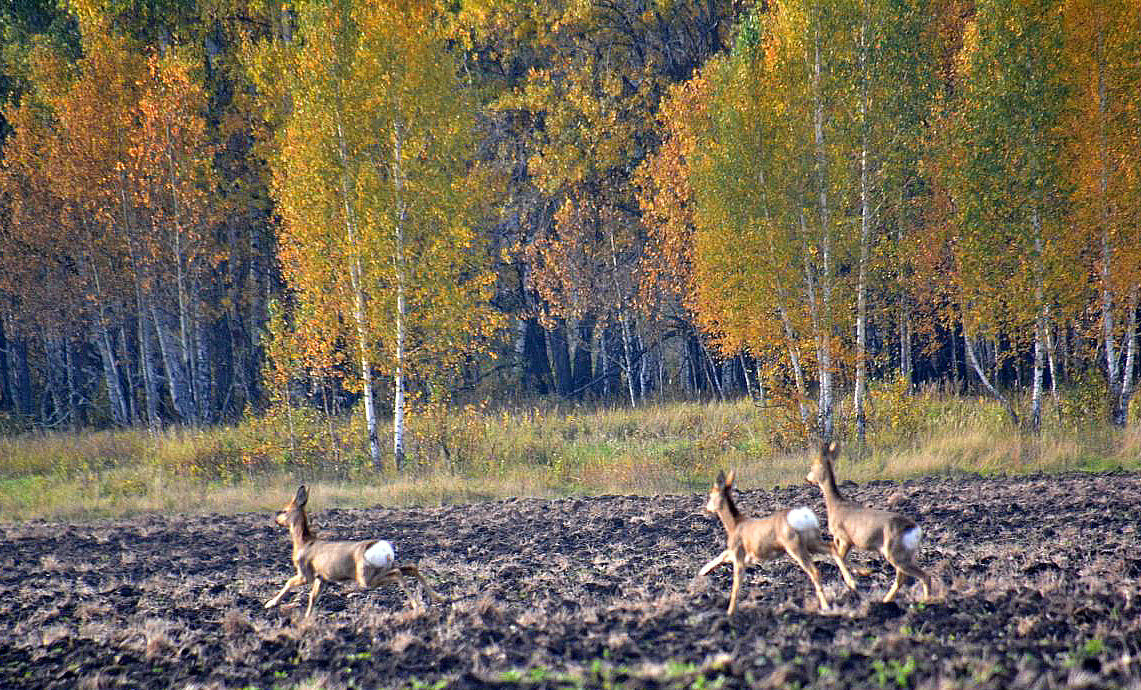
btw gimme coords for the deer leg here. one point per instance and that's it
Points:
(705, 569)
(412, 570)
(295, 581)
(313, 595)
(894, 585)
(925, 579)
(363, 578)
(904, 562)
(414, 603)
(901, 561)
(840, 553)
(737, 568)
(803, 558)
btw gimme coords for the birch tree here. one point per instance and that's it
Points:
(1009, 176)
(370, 178)
(1104, 68)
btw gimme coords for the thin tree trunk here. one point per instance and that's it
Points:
(1112, 365)
(644, 363)
(797, 368)
(906, 367)
(1036, 386)
(173, 364)
(150, 387)
(24, 385)
(257, 310)
(622, 319)
(128, 374)
(822, 317)
(560, 357)
(1051, 354)
(401, 307)
(74, 420)
(356, 278)
(6, 396)
(823, 361)
(954, 362)
(203, 374)
(627, 351)
(973, 360)
(1120, 411)
(712, 370)
(1039, 326)
(865, 232)
(745, 373)
(661, 375)
(103, 341)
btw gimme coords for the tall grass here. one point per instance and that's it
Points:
(473, 453)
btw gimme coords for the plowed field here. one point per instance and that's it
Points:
(1037, 586)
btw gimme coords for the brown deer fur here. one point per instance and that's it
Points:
(318, 561)
(894, 536)
(753, 540)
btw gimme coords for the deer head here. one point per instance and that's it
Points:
(720, 491)
(818, 474)
(294, 509)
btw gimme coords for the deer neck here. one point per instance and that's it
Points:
(832, 495)
(299, 532)
(730, 516)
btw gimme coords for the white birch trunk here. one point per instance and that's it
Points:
(624, 323)
(822, 316)
(106, 352)
(1128, 382)
(150, 377)
(1051, 355)
(356, 278)
(188, 351)
(202, 373)
(973, 360)
(797, 369)
(865, 231)
(150, 388)
(401, 307)
(1039, 325)
(173, 361)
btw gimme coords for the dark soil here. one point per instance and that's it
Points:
(1037, 586)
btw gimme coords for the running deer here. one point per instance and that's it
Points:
(795, 532)
(851, 524)
(370, 563)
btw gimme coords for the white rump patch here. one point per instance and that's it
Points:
(802, 518)
(380, 554)
(911, 538)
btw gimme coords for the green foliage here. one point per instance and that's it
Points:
(1082, 400)
(749, 33)
(895, 671)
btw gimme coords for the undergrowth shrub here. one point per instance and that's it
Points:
(892, 411)
(447, 438)
(1083, 400)
(201, 455)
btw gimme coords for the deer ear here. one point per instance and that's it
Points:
(729, 479)
(720, 479)
(302, 496)
(832, 449)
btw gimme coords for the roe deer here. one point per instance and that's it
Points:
(753, 540)
(370, 562)
(851, 524)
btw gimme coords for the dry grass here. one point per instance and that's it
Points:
(472, 454)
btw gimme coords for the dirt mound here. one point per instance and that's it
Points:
(1037, 587)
